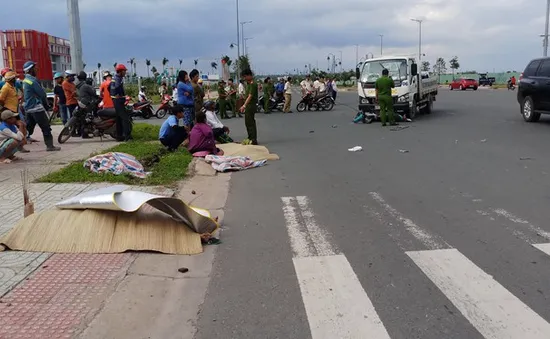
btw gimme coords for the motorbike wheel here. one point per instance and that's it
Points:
(301, 107)
(147, 113)
(328, 104)
(369, 120)
(68, 131)
(161, 113)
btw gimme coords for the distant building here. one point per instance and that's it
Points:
(52, 54)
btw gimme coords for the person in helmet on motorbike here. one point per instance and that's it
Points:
(119, 98)
(85, 91)
(59, 100)
(142, 96)
(36, 104)
(71, 94)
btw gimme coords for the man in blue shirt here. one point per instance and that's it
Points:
(172, 132)
(123, 129)
(36, 105)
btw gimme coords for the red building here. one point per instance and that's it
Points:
(52, 54)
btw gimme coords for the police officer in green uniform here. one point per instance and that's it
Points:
(267, 94)
(222, 100)
(232, 94)
(250, 105)
(383, 87)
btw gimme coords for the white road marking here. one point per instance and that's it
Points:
(533, 228)
(429, 240)
(336, 304)
(492, 309)
(318, 235)
(543, 247)
(297, 234)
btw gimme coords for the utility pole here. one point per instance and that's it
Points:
(77, 64)
(341, 62)
(546, 28)
(356, 55)
(237, 76)
(381, 42)
(242, 32)
(420, 38)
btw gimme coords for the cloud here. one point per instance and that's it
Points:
(288, 34)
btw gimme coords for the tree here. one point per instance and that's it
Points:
(425, 66)
(214, 66)
(181, 62)
(114, 65)
(164, 62)
(148, 63)
(132, 65)
(99, 66)
(440, 67)
(196, 61)
(454, 64)
(83, 66)
(244, 62)
(154, 70)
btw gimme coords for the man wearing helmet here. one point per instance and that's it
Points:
(36, 104)
(141, 95)
(85, 91)
(119, 97)
(69, 87)
(59, 100)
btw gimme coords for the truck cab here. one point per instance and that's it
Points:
(413, 91)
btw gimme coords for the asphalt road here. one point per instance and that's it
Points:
(433, 243)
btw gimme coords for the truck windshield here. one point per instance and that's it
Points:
(372, 70)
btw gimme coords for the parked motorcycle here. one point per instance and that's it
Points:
(323, 102)
(274, 103)
(142, 109)
(165, 106)
(89, 120)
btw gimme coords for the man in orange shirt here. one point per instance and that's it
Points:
(104, 91)
(69, 88)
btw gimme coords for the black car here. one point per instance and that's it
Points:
(534, 89)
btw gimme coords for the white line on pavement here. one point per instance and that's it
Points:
(539, 231)
(543, 247)
(429, 240)
(492, 309)
(336, 304)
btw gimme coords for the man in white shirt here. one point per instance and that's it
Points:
(221, 132)
(321, 87)
(288, 95)
(334, 89)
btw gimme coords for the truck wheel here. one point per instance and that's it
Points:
(429, 106)
(413, 110)
(528, 110)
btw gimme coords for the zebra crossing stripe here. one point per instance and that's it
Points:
(336, 304)
(543, 247)
(491, 309)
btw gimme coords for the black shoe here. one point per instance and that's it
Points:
(254, 142)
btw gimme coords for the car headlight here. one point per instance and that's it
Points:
(364, 101)
(403, 98)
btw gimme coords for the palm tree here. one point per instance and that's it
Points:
(164, 62)
(214, 66)
(154, 70)
(148, 63)
(83, 66)
(132, 64)
(114, 65)
(196, 61)
(181, 62)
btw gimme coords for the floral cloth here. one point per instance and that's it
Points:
(226, 163)
(116, 163)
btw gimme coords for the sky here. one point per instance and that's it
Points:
(485, 35)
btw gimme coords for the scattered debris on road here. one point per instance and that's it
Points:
(355, 149)
(484, 140)
(311, 131)
(193, 192)
(334, 126)
(526, 158)
(399, 128)
(403, 151)
(183, 270)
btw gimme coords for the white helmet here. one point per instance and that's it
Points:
(69, 73)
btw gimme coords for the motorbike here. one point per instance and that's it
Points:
(323, 102)
(165, 106)
(510, 86)
(277, 103)
(143, 109)
(89, 120)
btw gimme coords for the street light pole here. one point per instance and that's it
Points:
(245, 49)
(238, 46)
(420, 38)
(75, 36)
(242, 30)
(341, 62)
(546, 28)
(356, 55)
(381, 42)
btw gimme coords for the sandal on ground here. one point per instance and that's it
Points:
(5, 161)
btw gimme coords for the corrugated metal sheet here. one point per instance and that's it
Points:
(20, 46)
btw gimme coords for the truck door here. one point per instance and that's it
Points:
(543, 85)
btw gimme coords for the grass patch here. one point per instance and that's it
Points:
(166, 167)
(145, 132)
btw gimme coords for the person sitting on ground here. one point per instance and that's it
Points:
(221, 132)
(10, 101)
(172, 132)
(201, 138)
(11, 139)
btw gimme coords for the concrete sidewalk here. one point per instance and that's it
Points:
(60, 295)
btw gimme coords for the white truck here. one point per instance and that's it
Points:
(414, 91)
